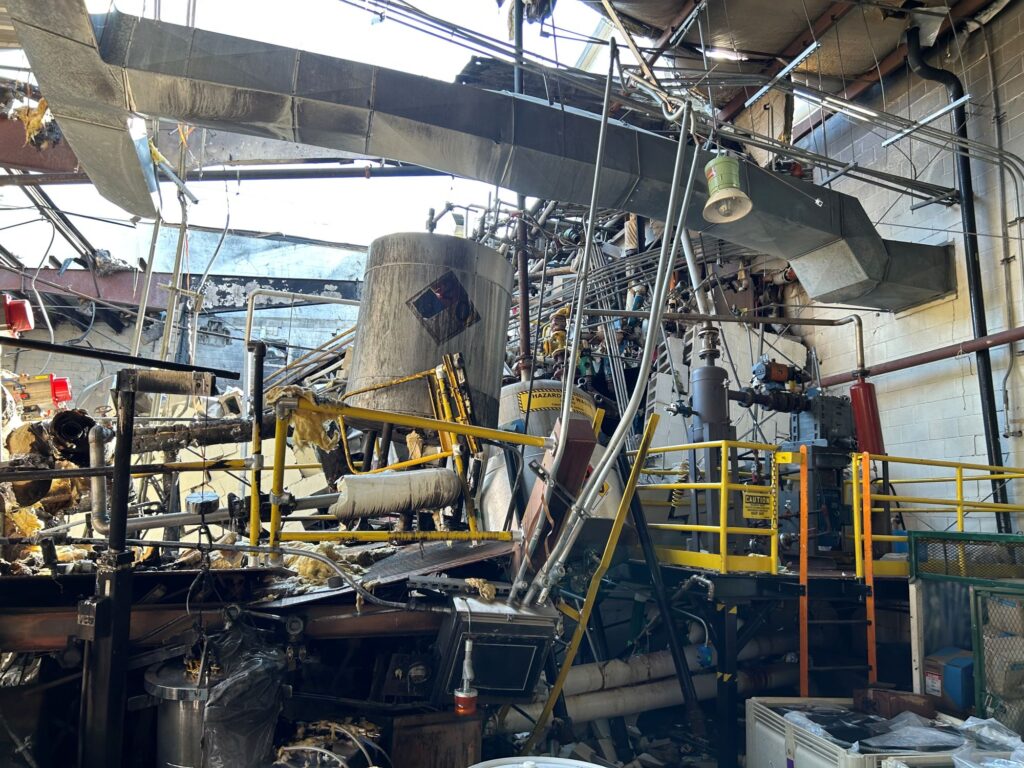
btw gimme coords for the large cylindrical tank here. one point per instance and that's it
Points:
(424, 296)
(545, 404)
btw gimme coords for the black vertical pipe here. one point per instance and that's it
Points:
(975, 290)
(675, 642)
(385, 444)
(369, 442)
(599, 646)
(727, 689)
(122, 479)
(259, 356)
(106, 617)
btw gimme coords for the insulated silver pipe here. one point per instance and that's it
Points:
(147, 283)
(553, 568)
(100, 519)
(565, 413)
(630, 700)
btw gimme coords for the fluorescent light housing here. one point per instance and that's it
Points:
(723, 54)
(925, 120)
(783, 73)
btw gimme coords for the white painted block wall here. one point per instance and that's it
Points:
(935, 411)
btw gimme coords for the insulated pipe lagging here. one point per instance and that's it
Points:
(631, 700)
(975, 288)
(392, 493)
(602, 675)
(100, 518)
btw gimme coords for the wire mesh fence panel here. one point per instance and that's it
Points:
(998, 618)
(975, 557)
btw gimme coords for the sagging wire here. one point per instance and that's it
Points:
(39, 298)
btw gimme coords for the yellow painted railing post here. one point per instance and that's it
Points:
(960, 499)
(774, 545)
(961, 553)
(255, 477)
(277, 481)
(869, 569)
(804, 607)
(595, 584)
(723, 509)
(858, 543)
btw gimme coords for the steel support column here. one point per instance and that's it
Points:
(727, 701)
(661, 597)
(105, 619)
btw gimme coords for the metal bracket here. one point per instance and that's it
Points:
(284, 406)
(559, 490)
(286, 499)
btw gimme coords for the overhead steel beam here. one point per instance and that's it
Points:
(662, 43)
(15, 152)
(242, 174)
(222, 293)
(819, 27)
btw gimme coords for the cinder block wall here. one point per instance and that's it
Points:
(935, 411)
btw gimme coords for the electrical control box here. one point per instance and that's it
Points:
(510, 646)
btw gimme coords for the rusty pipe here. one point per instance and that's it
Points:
(923, 358)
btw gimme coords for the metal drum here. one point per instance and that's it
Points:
(545, 407)
(426, 295)
(179, 716)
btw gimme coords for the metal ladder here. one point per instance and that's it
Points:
(865, 591)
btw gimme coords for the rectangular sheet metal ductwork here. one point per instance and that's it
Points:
(97, 72)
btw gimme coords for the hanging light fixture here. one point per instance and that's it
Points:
(727, 201)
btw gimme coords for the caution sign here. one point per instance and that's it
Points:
(757, 505)
(551, 400)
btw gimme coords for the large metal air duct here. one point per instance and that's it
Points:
(95, 79)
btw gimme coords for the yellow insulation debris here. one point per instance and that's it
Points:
(33, 118)
(25, 522)
(484, 587)
(307, 428)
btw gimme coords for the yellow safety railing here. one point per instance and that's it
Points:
(868, 500)
(341, 411)
(726, 486)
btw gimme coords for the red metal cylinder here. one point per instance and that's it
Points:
(866, 419)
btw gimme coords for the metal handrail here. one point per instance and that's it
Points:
(724, 485)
